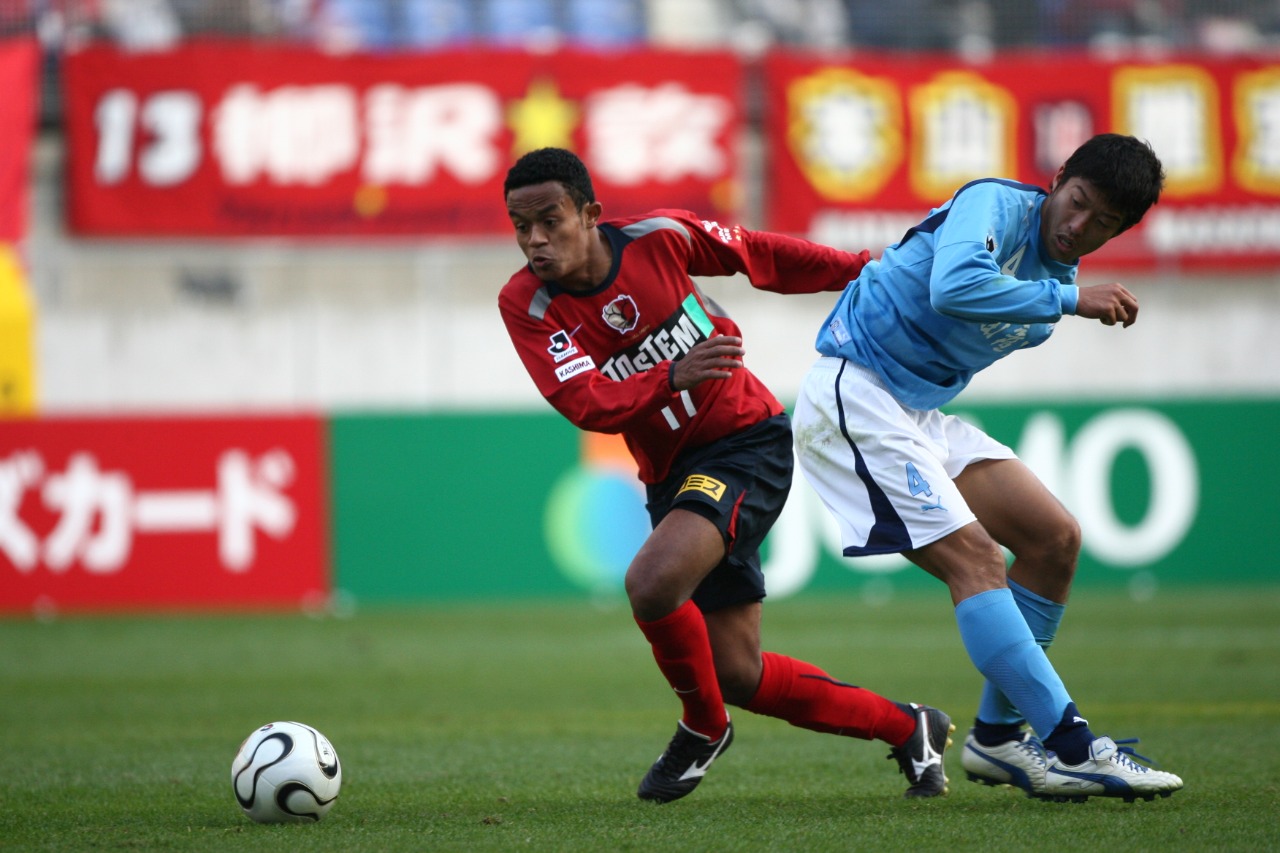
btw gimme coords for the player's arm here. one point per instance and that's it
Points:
(966, 280)
(773, 262)
(589, 399)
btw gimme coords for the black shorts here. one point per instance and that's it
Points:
(740, 485)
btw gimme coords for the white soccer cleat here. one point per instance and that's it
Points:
(1020, 763)
(1108, 772)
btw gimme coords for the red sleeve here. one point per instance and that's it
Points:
(783, 264)
(575, 387)
(773, 262)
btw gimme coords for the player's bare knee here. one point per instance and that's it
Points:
(1068, 539)
(1056, 551)
(648, 600)
(653, 593)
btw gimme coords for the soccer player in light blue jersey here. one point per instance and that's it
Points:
(987, 273)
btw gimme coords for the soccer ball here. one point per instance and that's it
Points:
(285, 773)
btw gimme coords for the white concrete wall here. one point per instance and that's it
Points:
(133, 326)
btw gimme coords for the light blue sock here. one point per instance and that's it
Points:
(1001, 646)
(1043, 617)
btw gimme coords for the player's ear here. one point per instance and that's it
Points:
(1057, 179)
(591, 213)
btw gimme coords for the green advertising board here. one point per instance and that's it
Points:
(445, 506)
(489, 505)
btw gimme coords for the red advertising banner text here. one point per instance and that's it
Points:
(860, 150)
(233, 139)
(162, 513)
(19, 61)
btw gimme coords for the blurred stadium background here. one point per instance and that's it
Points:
(250, 361)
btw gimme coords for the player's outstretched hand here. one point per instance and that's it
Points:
(1109, 304)
(715, 358)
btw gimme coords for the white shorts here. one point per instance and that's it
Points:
(884, 471)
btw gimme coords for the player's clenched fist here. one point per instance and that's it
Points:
(1110, 303)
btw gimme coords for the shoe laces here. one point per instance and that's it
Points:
(902, 755)
(903, 758)
(1125, 754)
(685, 747)
(1031, 745)
(906, 762)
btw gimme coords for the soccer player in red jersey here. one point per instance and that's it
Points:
(619, 339)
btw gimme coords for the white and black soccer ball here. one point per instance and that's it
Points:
(286, 773)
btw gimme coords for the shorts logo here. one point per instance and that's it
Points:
(622, 314)
(702, 483)
(561, 346)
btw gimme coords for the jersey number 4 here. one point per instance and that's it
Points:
(920, 486)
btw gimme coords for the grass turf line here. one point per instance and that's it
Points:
(528, 726)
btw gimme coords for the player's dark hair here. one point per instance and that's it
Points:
(552, 164)
(1124, 169)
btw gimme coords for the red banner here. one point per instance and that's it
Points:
(860, 150)
(126, 513)
(240, 139)
(19, 61)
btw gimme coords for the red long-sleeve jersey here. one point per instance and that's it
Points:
(603, 358)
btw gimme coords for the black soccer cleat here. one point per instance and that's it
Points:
(920, 758)
(679, 770)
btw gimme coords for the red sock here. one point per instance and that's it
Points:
(807, 697)
(683, 652)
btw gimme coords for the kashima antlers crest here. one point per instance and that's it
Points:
(621, 314)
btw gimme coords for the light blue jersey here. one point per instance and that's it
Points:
(967, 286)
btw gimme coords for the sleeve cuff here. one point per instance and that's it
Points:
(1069, 294)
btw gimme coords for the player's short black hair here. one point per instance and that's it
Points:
(552, 164)
(1124, 168)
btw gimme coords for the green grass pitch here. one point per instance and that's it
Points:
(527, 727)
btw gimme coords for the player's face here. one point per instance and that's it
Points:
(1076, 219)
(558, 239)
